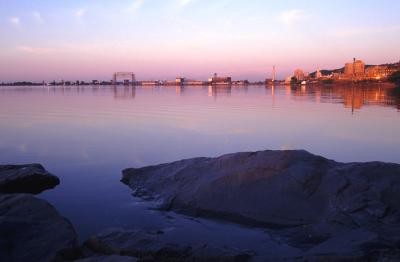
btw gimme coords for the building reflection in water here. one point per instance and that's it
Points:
(179, 90)
(353, 97)
(124, 92)
(273, 95)
(288, 91)
(222, 90)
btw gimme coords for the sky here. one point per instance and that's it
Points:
(162, 39)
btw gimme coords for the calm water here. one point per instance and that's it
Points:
(87, 135)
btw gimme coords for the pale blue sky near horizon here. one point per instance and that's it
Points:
(87, 39)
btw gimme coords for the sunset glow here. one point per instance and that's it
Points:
(49, 40)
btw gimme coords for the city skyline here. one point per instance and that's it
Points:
(163, 39)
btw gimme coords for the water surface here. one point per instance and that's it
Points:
(87, 135)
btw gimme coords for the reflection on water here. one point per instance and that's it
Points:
(354, 97)
(87, 135)
(351, 96)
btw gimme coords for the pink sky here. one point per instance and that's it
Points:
(164, 39)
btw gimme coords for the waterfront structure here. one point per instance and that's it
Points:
(216, 80)
(129, 76)
(190, 82)
(288, 80)
(318, 74)
(378, 72)
(299, 75)
(271, 81)
(150, 83)
(359, 71)
(355, 69)
(240, 82)
(180, 81)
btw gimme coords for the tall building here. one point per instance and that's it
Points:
(355, 69)
(348, 69)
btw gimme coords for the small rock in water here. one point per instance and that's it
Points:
(32, 179)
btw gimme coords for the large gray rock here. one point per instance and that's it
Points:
(157, 246)
(31, 179)
(274, 188)
(32, 230)
(310, 199)
(111, 258)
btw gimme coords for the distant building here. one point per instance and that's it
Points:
(288, 80)
(150, 83)
(180, 81)
(216, 80)
(95, 82)
(359, 68)
(348, 69)
(269, 81)
(355, 69)
(241, 82)
(318, 74)
(299, 74)
(190, 82)
(378, 72)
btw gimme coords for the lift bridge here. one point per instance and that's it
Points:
(128, 77)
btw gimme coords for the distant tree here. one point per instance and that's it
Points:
(395, 77)
(294, 80)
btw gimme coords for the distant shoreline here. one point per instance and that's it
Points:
(276, 83)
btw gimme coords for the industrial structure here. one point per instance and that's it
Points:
(217, 80)
(128, 78)
(272, 81)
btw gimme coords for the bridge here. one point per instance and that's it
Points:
(128, 77)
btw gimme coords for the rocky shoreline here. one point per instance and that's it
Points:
(311, 208)
(30, 228)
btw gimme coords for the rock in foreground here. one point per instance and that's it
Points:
(32, 230)
(156, 246)
(32, 179)
(112, 258)
(316, 203)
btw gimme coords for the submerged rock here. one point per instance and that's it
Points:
(155, 246)
(32, 230)
(31, 179)
(319, 205)
(112, 258)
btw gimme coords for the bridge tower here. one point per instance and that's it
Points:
(126, 76)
